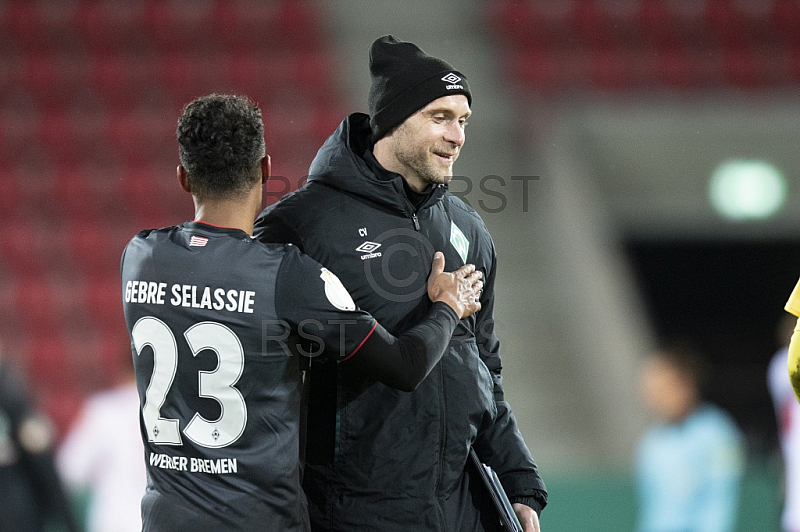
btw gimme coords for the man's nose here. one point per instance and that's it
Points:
(455, 134)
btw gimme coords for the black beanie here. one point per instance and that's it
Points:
(404, 80)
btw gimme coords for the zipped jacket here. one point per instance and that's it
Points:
(378, 458)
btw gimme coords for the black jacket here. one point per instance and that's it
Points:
(378, 458)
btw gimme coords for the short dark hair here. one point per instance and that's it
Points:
(221, 145)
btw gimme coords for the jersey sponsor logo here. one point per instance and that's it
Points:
(459, 241)
(199, 241)
(368, 247)
(335, 291)
(369, 250)
(452, 81)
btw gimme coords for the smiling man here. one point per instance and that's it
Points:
(375, 210)
(424, 147)
(219, 324)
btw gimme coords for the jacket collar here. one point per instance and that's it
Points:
(340, 164)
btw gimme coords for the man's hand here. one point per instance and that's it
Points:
(460, 289)
(527, 517)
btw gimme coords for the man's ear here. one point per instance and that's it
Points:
(266, 169)
(183, 179)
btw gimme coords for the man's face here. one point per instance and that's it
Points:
(667, 393)
(428, 142)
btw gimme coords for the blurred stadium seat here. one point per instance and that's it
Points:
(20, 248)
(634, 45)
(90, 91)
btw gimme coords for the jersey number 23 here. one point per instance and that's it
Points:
(217, 384)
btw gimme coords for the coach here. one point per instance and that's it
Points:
(375, 209)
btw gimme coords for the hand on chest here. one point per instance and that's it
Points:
(389, 255)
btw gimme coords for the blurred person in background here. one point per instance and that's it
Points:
(102, 457)
(787, 411)
(32, 497)
(793, 357)
(690, 461)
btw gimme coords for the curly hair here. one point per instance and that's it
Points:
(221, 144)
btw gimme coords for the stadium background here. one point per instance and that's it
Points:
(597, 129)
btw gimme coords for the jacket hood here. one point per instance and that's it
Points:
(339, 164)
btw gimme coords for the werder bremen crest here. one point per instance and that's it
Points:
(459, 241)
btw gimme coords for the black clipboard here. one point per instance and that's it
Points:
(508, 519)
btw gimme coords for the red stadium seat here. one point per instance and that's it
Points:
(103, 303)
(11, 62)
(649, 44)
(726, 22)
(144, 133)
(660, 29)
(39, 75)
(120, 77)
(727, 25)
(786, 20)
(242, 25)
(516, 22)
(46, 356)
(591, 25)
(178, 24)
(272, 74)
(90, 92)
(140, 190)
(61, 402)
(22, 21)
(11, 330)
(110, 24)
(87, 193)
(94, 249)
(20, 248)
(11, 198)
(73, 195)
(112, 351)
(189, 74)
(534, 68)
(34, 301)
(56, 132)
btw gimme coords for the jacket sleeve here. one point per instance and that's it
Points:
(272, 228)
(324, 319)
(403, 362)
(499, 442)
